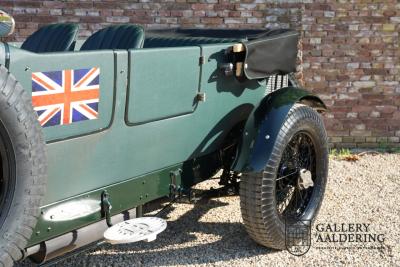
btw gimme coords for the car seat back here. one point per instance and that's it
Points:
(52, 38)
(124, 36)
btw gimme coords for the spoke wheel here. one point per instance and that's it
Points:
(298, 159)
(293, 181)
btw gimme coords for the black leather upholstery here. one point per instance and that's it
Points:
(161, 41)
(52, 38)
(124, 36)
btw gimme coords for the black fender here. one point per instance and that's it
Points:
(263, 125)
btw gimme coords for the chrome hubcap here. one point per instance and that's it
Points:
(305, 179)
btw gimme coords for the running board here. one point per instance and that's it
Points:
(56, 247)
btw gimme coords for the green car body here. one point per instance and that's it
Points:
(161, 111)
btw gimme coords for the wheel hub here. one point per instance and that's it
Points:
(305, 179)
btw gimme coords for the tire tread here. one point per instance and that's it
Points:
(257, 189)
(29, 143)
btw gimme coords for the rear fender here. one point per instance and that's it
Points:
(264, 123)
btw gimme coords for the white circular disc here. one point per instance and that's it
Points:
(143, 228)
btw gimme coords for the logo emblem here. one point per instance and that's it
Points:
(297, 236)
(67, 96)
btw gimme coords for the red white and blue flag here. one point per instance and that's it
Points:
(67, 96)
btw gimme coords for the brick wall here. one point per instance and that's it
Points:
(351, 58)
(351, 54)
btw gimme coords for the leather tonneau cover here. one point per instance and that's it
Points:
(268, 51)
(273, 53)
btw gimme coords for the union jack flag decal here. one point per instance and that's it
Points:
(67, 96)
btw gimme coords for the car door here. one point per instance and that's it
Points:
(163, 83)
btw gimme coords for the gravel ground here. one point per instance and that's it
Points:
(210, 232)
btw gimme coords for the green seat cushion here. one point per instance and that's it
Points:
(164, 41)
(52, 38)
(124, 36)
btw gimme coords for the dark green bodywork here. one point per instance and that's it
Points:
(150, 124)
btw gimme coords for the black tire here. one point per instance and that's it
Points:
(258, 191)
(23, 168)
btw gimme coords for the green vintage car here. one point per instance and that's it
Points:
(91, 130)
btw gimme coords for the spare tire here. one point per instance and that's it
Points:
(23, 168)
